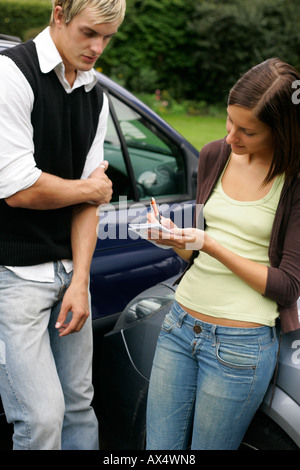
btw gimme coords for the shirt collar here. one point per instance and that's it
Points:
(50, 59)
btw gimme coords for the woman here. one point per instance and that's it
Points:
(217, 349)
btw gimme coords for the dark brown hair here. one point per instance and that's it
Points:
(267, 90)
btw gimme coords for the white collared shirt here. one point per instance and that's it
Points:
(18, 170)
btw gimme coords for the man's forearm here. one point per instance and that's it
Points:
(84, 238)
(52, 192)
(83, 244)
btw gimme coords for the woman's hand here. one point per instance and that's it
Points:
(187, 239)
(183, 241)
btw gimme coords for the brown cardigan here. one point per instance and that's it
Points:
(283, 282)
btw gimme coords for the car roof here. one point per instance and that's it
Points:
(8, 41)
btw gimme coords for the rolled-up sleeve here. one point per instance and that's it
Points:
(18, 169)
(96, 153)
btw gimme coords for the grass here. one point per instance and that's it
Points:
(198, 130)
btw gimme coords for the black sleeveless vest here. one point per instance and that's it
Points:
(64, 127)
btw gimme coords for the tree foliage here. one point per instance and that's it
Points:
(230, 37)
(17, 16)
(152, 45)
(198, 49)
(194, 49)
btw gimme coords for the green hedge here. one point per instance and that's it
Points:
(231, 38)
(17, 17)
(193, 49)
(197, 49)
(152, 48)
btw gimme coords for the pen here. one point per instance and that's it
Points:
(155, 209)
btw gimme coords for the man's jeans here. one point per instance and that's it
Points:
(209, 379)
(45, 380)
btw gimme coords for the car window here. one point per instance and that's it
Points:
(140, 155)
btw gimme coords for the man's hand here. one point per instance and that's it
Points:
(103, 184)
(51, 192)
(76, 301)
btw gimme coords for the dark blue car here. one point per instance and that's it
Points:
(130, 275)
(146, 158)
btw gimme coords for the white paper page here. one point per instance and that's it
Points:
(142, 231)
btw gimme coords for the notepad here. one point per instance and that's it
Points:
(143, 229)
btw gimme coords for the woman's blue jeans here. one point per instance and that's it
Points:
(45, 380)
(207, 382)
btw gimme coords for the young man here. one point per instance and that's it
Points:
(53, 117)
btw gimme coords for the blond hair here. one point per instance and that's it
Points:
(106, 11)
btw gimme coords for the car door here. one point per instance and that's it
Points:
(146, 158)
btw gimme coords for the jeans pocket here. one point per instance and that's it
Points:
(237, 358)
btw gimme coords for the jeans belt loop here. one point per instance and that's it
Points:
(213, 334)
(181, 319)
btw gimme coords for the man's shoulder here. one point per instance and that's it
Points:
(22, 49)
(13, 82)
(23, 55)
